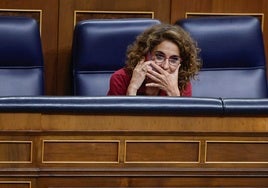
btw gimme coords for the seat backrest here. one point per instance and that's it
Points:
(99, 49)
(232, 51)
(21, 58)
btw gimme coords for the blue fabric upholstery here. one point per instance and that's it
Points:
(21, 58)
(99, 48)
(233, 56)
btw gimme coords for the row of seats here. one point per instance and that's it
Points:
(232, 51)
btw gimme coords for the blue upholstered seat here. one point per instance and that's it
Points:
(99, 48)
(21, 58)
(233, 56)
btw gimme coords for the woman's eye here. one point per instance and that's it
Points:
(160, 57)
(174, 59)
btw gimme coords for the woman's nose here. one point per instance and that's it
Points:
(165, 64)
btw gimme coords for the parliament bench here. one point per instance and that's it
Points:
(133, 142)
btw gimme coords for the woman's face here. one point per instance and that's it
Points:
(167, 56)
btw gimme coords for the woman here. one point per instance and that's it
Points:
(161, 62)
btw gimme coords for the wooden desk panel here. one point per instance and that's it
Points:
(85, 150)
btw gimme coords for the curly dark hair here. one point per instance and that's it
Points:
(150, 38)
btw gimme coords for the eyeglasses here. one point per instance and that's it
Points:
(159, 58)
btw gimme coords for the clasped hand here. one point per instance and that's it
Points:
(156, 76)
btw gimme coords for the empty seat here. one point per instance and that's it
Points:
(21, 58)
(232, 51)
